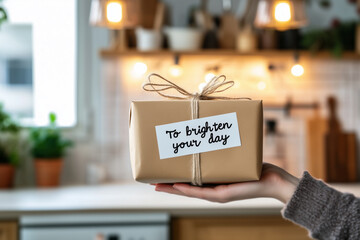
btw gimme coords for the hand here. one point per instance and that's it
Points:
(274, 182)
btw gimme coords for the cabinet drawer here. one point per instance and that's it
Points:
(8, 230)
(236, 228)
(152, 232)
(89, 226)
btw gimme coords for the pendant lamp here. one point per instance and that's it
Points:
(280, 14)
(116, 15)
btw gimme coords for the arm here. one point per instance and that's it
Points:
(325, 212)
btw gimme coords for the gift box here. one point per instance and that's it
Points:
(222, 144)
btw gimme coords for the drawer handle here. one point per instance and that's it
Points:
(113, 237)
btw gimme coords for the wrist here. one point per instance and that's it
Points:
(288, 188)
(277, 183)
(280, 185)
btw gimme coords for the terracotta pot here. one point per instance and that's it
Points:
(6, 175)
(48, 172)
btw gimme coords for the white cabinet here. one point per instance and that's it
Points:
(89, 226)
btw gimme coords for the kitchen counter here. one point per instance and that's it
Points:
(130, 197)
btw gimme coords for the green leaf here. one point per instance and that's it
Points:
(335, 39)
(7, 124)
(47, 142)
(3, 16)
(52, 118)
(14, 158)
(9, 140)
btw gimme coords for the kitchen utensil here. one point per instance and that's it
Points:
(200, 19)
(148, 13)
(273, 149)
(340, 150)
(246, 40)
(204, 21)
(228, 28)
(316, 128)
(159, 16)
(268, 39)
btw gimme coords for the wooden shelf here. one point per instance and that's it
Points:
(107, 53)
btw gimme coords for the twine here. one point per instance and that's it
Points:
(215, 85)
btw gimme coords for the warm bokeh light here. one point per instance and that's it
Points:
(175, 70)
(258, 71)
(261, 85)
(209, 76)
(139, 69)
(201, 86)
(297, 70)
(114, 12)
(282, 12)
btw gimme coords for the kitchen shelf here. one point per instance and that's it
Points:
(108, 53)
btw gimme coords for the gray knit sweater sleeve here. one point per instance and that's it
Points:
(325, 212)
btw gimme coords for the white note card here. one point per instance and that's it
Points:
(198, 135)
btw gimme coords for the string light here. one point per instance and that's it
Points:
(114, 12)
(297, 70)
(176, 70)
(209, 76)
(258, 71)
(139, 69)
(201, 86)
(261, 85)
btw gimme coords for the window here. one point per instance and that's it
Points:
(38, 61)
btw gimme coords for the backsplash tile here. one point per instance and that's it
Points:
(321, 79)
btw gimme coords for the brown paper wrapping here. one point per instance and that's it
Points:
(235, 164)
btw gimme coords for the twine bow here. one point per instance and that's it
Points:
(215, 85)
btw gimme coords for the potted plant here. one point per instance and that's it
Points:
(48, 148)
(9, 146)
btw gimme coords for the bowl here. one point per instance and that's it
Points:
(184, 39)
(148, 39)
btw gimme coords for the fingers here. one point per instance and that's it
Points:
(168, 188)
(215, 194)
(220, 193)
(182, 189)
